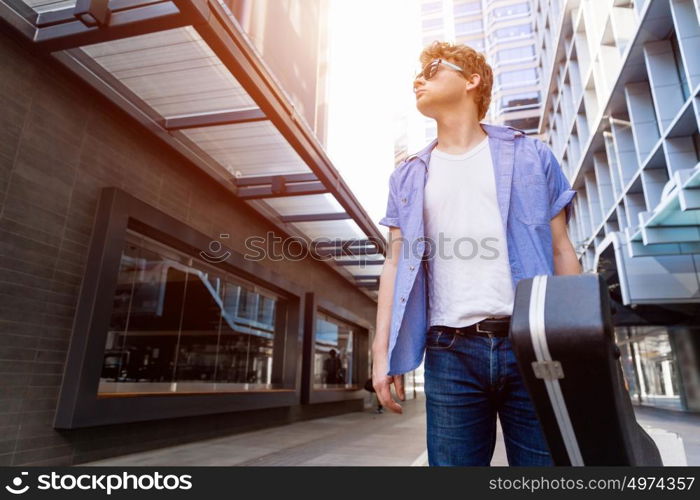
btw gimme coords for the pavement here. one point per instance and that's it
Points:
(369, 439)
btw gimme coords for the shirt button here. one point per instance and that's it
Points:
(412, 268)
(403, 299)
(403, 200)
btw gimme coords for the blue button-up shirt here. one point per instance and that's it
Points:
(531, 189)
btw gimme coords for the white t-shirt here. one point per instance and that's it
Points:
(468, 274)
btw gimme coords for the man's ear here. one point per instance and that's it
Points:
(473, 81)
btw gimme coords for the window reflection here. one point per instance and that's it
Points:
(657, 370)
(649, 366)
(335, 353)
(181, 325)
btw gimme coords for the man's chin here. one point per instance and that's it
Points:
(422, 108)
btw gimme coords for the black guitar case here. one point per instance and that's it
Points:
(562, 335)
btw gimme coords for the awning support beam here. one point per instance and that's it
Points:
(232, 117)
(315, 217)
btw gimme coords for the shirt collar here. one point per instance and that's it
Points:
(492, 130)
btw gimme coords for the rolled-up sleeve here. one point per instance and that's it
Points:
(560, 192)
(391, 219)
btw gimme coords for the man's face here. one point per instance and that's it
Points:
(446, 88)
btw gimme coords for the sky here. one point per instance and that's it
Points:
(374, 48)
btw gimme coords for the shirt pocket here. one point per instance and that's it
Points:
(531, 199)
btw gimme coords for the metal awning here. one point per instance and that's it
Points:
(187, 71)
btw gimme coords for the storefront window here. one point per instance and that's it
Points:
(179, 324)
(656, 367)
(335, 364)
(627, 362)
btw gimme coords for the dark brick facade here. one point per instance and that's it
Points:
(60, 144)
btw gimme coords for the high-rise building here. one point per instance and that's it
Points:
(621, 111)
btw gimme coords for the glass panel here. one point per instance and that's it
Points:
(510, 11)
(343, 229)
(517, 78)
(656, 368)
(516, 53)
(173, 71)
(249, 149)
(628, 370)
(306, 204)
(179, 325)
(511, 32)
(49, 5)
(528, 124)
(426, 8)
(432, 23)
(522, 99)
(468, 27)
(472, 7)
(335, 354)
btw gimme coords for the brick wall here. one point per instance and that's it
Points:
(60, 143)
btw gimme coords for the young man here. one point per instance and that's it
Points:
(478, 209)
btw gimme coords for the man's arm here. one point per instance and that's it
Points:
(380, 345)
(565, 261)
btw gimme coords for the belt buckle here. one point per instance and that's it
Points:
(482, 331)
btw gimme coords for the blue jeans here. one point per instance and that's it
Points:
(468, 379)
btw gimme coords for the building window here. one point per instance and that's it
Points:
(520, 77)
(468, 27)
(515, 54)
(521, 99)
(511, 32)
(509, 11)
(432, 23)
(428, 8)
(335, 353)
(473, 7)
(656, 368)
(179, 324)
(160, 316)
(527, 124)
(475, 43)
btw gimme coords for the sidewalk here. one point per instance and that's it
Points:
(362, 438)
(685, 425)
(358, 438)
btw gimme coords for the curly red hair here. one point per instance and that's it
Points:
(472, 62)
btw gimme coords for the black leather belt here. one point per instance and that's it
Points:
(496, 327)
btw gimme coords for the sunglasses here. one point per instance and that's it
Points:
(431, 68)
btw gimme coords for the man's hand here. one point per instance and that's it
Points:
(380, 346)
(382, 384)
